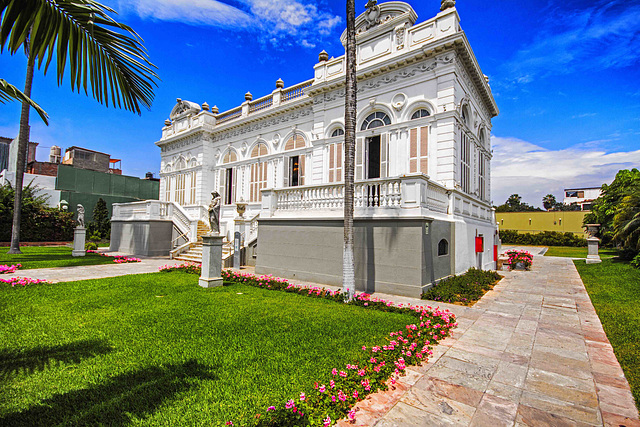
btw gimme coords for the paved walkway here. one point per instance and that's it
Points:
(532, 352)
(83, 272)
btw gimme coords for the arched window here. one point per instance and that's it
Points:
(443, 247)
(229, 157)
(295, 141)
(423, 112)
(337, 132)
(259, 150)
(375, 120)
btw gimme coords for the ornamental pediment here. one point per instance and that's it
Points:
(184, 108)
(379, 18)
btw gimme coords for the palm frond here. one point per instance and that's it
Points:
(101, 53)
(9, 92)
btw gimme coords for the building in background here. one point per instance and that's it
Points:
(581, 196)
(538, 221)
(82, 177)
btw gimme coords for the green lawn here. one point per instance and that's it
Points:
(614, 288)
(156, 349)
(573, 252)
(49, 256)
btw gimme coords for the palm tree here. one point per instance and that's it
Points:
(114, 63)
(626, 222)
(348, 264)
(549, 201)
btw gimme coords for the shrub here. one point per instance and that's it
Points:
(100, 227)
(546, 238)
(464, 289)
(39, 223)
(90, 246)
(189, 267)
(636, 261)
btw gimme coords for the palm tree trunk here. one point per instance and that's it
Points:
(348, 265)
(23, 147)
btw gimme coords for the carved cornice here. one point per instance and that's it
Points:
(257, 125)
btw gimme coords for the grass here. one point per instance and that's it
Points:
(465, 289)
(578, 252)
(49, 256)
(614, 288)
(155, 349)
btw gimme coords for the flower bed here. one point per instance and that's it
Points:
(519, 257)
(118, 259)
(377, 368)
(8, 269)
(22, 281)
(464, 289)
(189, 267)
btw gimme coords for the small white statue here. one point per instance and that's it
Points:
(214, 212)
(80, 216)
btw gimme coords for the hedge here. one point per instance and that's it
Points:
(546, 238)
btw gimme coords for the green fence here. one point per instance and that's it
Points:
(85, 187)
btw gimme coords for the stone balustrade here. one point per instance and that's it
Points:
(371, 197)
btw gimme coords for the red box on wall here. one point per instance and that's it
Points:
(495, 252)
(479, 244)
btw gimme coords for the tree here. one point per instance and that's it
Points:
(350, 106)
(549, 201)
(100, 225)
(115, 65)
(514, 204)
(626, 222)
(609, 204)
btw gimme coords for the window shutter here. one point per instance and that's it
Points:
(332, 162)
(339, 161)
(234, 174)
(359, 159)
(424, 150)
(285, 171)
(413, 150)
(384, 163)
(221, 183)
(252, 181)
(301, 177)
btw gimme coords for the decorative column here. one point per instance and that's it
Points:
(240, 231)
(592, 244)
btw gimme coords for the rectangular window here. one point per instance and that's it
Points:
(167, 188)
(373, 157)
(294, 171)
(418, 150)
(194, 180)
(258, 181)
(336, 157)
(482, 177)
(465, 163)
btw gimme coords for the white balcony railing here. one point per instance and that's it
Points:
(370, 197)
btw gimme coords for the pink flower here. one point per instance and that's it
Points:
(322, 389)
(334, 371)
(343, 374)
(332, 384)
(302, 396)
(355, 394)
(327, 421)
(290, 404)
(271, 408)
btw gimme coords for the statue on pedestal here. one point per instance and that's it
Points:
(80, 220)
(446, 4)
(214, 213)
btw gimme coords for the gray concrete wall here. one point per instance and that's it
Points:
(391, 256)
(143, 238)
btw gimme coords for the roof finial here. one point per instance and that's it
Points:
(446, 4)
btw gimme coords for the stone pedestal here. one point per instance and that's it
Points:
(592, 254)
(79, 238)
(211, 261)
(238, 236)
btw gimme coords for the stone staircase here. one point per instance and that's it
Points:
(194, 254)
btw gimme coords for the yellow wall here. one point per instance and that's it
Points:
(535, 222)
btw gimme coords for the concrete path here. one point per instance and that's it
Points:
(83, 272)
(532, 352)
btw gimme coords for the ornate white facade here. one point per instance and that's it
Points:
(423, 147)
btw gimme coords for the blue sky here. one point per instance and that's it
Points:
(565, 75)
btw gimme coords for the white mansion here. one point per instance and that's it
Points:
(422, 205)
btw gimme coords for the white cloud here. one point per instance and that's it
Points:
(278, 22)
(533, 171)
(602, 36)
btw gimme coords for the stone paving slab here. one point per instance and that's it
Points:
(532, 352)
